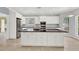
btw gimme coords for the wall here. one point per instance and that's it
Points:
(5, 13)
(73, 26)
(61, 16)
(4, 10)
(12, 23)
(19, 15)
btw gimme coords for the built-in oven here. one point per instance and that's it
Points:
(43, 26)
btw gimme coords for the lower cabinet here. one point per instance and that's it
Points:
(42, 39)
(51, 39)
(60, 40)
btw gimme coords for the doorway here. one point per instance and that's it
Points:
(18, 28)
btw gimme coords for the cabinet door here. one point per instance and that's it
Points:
(29, 20)
(33, 39)
(51, 39)
(43, 39)
(60, 39)
(25, 39)
(38, 40)
(52, 19)
(29, 39)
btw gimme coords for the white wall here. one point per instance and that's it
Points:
(12, 23)
(18, 15)
(4, 10)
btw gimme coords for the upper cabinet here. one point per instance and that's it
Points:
(50, 19)
(30, 20)
(33, 20)
(38, 19)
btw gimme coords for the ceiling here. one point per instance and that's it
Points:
(43, 11)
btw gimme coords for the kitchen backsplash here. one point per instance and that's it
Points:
(51, 26)
(48, 26)
(37, 26)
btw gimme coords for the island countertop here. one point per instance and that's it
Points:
(33, 38)
(48, 30)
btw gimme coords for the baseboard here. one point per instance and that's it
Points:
(12, 39)
(75, 37)
(43, 46)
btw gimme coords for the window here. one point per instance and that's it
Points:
(66, 23)
(2, 24)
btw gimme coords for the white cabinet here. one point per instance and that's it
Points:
(29, 40)
(28, 22)
(38, 19)
(32, 20)
(51, 39)
(59, 39)
(50, 19)
(42, 39)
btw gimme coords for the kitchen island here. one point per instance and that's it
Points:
(37, 38)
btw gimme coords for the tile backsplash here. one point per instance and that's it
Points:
(48, 26)
(37, 26)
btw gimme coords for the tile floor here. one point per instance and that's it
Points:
(14, 45)
(70, 44)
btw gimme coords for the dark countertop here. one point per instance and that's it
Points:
(48, 30)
